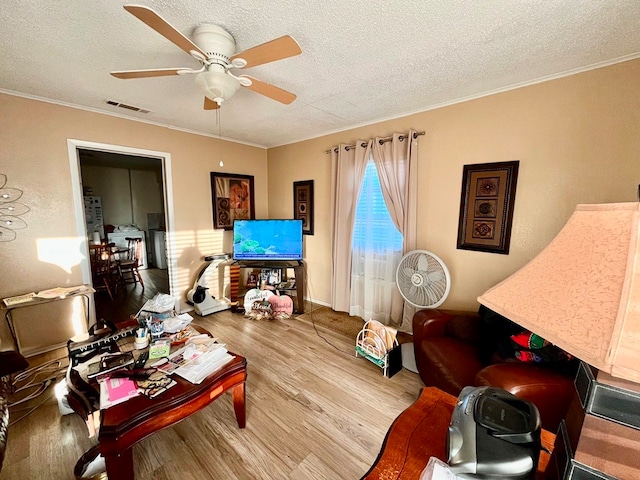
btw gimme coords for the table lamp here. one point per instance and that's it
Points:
(582, 294)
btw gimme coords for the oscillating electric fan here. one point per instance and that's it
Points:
(424, 281)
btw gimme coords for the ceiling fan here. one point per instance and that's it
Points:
(215, 49)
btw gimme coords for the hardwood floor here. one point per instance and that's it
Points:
(122, 305)
(313, 412)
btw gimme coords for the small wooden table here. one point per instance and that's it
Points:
(125, 424)
(419, 433)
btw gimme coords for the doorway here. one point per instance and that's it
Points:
(114, 173)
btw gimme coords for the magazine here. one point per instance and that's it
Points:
(157, 383)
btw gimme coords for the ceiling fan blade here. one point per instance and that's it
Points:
(160, 72)
(283, 47)
(210, 104)
(270, 91)
(164, 28)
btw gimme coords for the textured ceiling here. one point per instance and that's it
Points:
(363, 61)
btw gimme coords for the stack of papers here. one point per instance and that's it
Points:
(178, 358)
(27, 297)
(62, 292)
(196, 361)
(203, 366)
(376, 339)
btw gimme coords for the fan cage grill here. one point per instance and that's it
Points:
(423, 279)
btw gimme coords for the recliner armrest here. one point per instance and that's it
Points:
(438, 323)
(550, 391)
(429, 323)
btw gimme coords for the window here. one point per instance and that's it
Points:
(376, 251)
(373, 228)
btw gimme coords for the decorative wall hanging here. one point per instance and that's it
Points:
(232, 198)
(303, 205)
(486, 206)
(10, 211)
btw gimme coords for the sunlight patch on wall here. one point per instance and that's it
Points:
(187, 251)
(64, 252)
(79, 317)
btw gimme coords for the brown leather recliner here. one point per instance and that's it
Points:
(448, 350)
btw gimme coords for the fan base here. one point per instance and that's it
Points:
(408, 357)
(215, 41)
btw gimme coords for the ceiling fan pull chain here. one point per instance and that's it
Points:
(219, 137)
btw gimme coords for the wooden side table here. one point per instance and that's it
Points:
(419, 433)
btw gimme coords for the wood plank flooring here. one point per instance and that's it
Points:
(313, 412)
(155, 281)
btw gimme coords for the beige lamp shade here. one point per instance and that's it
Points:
(582, 292)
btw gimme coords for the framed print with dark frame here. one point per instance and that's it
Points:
(232, 198)
(303, 204)
(486, 206)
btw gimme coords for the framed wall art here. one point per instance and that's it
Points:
(303, 204)
(232, 198)
(486, 206)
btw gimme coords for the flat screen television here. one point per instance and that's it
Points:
(267, 240)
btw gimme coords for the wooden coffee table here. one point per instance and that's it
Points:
(125, 424)
(419, 433)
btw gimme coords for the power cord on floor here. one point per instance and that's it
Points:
(313, 323)
(29, 411)
(32, 381)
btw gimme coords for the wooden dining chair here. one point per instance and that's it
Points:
(101, 270)
(128, 267)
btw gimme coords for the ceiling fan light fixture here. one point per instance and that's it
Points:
(217, 86)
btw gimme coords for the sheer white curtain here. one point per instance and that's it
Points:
(376, 251)
(348, 163)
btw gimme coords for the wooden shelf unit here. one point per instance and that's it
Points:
(299, 274)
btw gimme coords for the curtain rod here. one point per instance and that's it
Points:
(381, 141)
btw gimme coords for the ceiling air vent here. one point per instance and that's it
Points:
(128, 107)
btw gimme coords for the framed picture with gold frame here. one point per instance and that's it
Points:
(303, 205)
(486, 206)
(232, 198)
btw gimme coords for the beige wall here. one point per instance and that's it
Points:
(146, 197)
(127, 195)
(577, 139)
(113, 187)
(35, 159)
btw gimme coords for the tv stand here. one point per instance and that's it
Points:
(299, 274)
